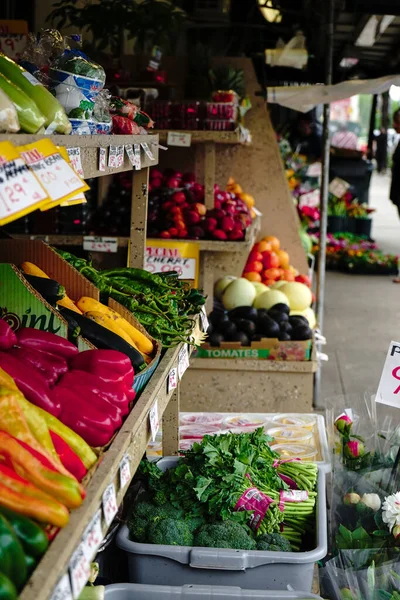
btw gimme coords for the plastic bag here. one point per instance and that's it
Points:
(8, 115)
(101, 112)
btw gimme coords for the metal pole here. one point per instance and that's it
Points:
(324, 182)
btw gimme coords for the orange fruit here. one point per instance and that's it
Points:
(271, 274)
(270, 260)
(262, 246)
(268, 282)
(272, 241)
(254, 267)
(252, 276)
(284, 259)
(287, 275)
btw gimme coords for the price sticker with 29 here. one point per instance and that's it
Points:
(109, 502)
(20, 191)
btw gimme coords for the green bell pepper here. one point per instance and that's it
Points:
(12, 558)
(8, 590)
(32, 537)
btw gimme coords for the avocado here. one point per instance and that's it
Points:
(281, 307)
(215, 339)
(217, 316)
(243, 312)
(241, 337)
(227, 329)
(267, 326)
(278, 316)
(285, 327)
(298, 320)
(248, 327)
(302, 332)
(284, 337)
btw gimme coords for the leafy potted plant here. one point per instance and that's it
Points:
(337, 212)
(360, 215)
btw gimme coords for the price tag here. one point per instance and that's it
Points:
(130, 154)
(177, 138)
(75, 158)
(92, 536)
(204, 318)
(154, 420)
(100, 244)
(102, 159)
(109, 502)
(13, 45)
(79, 570)
(124, 472)
(115, 157)
(172, 380)
(147, 150)
(183, 361)
(311, 199)
(314, 170)
(338, 187)
(62, 590)
(138, 163)
(389, 386)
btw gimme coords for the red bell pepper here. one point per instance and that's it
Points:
(47, 342)
(30, 382)
(86, 394)
(8, 339)
(115, 394)
(92, 424)
(34, 467)
(110, 376)
(110, 360)
(69, 459)
(20, 495)
(50, 365)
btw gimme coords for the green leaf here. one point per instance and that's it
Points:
(371, 577)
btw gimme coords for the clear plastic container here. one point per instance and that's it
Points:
(197, 432)
(243, 421)
(201, 418)
(298, 420)
(303, 451)
(186, 444)
(288, 435)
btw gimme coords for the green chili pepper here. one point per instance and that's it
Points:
(138, 275)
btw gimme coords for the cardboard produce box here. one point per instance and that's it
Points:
(267, 348)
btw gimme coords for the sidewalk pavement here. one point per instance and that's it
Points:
(362, 313)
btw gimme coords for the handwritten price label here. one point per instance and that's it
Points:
(124, 472)
(183, 361)
(19, 189)
(102, 159)
(79, 570)
(204, 318)
(56, 176)
(100, 244)
(109, 502)
(92, 536)
(389, 386)
(75, 158)
(147, 150)
(176, 138)
(172, 380)
(138, 162)
(154, 420)
(116, 157)
(62, 590)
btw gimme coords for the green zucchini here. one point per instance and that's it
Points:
(49, 106)
(51, 290)
(104, 339)
(74, 329)
(29, 116)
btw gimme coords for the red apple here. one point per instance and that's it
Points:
(182, 233)
(188, 178)
(217, 204)
(192, 217)
(172, 183)
(165, 234)
(236, 235)
(303, 279)
(178, 197)
(218, 234)
(155, 174)
(156, 183)
(227, 224)
(210, 224)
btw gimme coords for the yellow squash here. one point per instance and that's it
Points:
(31, 269)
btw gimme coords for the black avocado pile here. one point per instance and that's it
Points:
(246, 324)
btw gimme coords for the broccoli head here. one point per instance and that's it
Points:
(273, 542)
(170, 532)
(194, 523)
(138, 529)
(144, 509)
(225, 534)
(160, 498)
(167, 511)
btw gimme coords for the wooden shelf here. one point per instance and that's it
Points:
(204, 137)
(89, 145)
(123, 242)
(131, 441)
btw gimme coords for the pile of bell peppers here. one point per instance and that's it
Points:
(89, 392)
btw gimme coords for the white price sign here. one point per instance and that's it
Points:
(54, 173)
(102, 159)
(183, 361)
(172, 380)
(79, 570)
(75, 158)
(136, 151)
(132, 156)
(338, 187)
(92, 536)
(19, 189)
(124, 472)
(389, 386)
(177, 138)
(154, 420)
(169, 259)
(62, 590)
(310, 199)
(100, 244)
(109, 502)
(147, 150)
(115, 157)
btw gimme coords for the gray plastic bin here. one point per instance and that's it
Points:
(248, 569)
(132, 591)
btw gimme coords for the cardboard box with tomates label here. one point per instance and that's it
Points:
(76, 285)
(267, 348)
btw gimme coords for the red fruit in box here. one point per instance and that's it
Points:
(172, 183)
(229, 208)
(168, 205)
(239, 223)
(210, 224)
(217, 204)
(149, 187)
(178, 175)
(156, 183)
(236, 235)
(219, 196)
(169, 173)
(303, 279)
(173, 232)
(178, 197)
(216, 187)
(155, 174)
(254, 255)
(185, 205)
(165, 234)
(217, 213)
(254, 266)
(270, 259)
(226, 197)
(197, 187)
(196, 233)
(218, 234)
(188, 178)
(175, 210)
(227, 224)
(201, 209)
(182, 233)
(192, 217)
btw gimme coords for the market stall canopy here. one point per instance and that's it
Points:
(305, 98)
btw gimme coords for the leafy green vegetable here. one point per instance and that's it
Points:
(226, 534)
